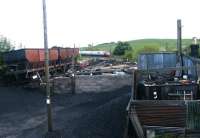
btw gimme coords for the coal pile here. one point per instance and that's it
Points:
(94, 115)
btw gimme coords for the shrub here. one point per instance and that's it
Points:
(128, 55)
(121, 48)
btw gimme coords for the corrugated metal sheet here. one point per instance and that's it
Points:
(183, 114)
(156, 60)
(164, 60)
(193, 116)
(161, 113)
(192, 72)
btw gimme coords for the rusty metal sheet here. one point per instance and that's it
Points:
(163, 113)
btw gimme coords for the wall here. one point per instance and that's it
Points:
(88, 84)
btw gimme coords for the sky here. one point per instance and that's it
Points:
(84, 22)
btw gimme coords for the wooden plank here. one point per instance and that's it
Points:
(136, 125)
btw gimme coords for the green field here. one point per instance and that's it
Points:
(143, 45)
(162, 44)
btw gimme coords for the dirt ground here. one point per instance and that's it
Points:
(100, 115)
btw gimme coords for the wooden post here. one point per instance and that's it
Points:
(48, 93)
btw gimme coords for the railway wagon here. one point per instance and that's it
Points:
(72, 51)
(65, 54)
(28, 58)
(95, 53)
(28, 62)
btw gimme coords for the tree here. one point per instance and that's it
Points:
(128, 55)
(5, 45)
(121, 48)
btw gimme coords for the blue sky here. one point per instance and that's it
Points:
(96, 21)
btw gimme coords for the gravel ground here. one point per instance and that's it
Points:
(100, 115)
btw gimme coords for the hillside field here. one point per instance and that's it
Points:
(143, 45)
(163, 44)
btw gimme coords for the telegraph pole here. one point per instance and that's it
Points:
(48, 94)
(73, 60)
(73, 71)
(179, 43)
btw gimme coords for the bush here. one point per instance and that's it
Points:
(121, 48)
(128, 55)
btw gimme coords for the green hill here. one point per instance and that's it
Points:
(162, 44)
(143, 45)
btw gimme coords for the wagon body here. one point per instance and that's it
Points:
(66, 53)
(29, 55)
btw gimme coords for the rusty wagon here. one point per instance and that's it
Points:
(25, 63)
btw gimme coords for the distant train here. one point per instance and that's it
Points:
(27, 62)
(95, 53)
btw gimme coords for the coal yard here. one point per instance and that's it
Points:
(64, 98)
(63, 92)
(99, 115)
